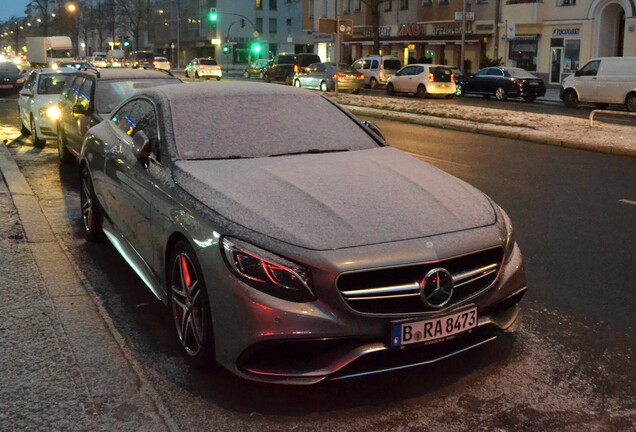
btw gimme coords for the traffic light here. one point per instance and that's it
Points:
(213, 15)
(256, 48)
(126, 42)
(226, 49)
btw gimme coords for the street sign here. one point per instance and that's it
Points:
(510, 30)
(470, 16)
(256, 34)
(326, 26)
(346, 27)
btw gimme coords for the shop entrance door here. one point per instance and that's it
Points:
(557, 61)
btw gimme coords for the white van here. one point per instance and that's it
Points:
(602, 81)
(377, 69)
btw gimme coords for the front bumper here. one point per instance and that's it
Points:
(47, 128)
(263, 338)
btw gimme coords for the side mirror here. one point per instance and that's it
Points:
(577, 73)
(26, 92)
(375, 129)
(141, 144)
(398, 74)
(79, 109)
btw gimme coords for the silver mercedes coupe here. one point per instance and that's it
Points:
(293, 244)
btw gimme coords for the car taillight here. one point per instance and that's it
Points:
(296, 69)
(431, 78)
(338, 76)
(519, 83)
(218, 68)
(360, 77)
(452, 78)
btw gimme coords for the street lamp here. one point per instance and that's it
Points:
(72, 9)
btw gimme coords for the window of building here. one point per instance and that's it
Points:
(288, 22)
(311, 9)
(273, 26)
(325, 7)
(272, 5)
(259, 5)
(568, 2)
(347, 6)
(404, 4)
(427, 2)
(259, 25)
(388, 6)
(523, 53)
(443, 2)
(358, 6)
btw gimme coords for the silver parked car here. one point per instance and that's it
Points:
(323, 254)
(323, 76)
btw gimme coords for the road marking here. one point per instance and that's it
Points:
(432, 159)
(626, 201)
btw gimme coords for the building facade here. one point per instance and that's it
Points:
(551, 38)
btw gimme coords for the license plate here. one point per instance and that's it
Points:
(433, 330)
(534, 83)
(6, 85)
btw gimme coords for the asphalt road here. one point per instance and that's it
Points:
(571, 367)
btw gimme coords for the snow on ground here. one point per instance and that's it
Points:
(544, 128)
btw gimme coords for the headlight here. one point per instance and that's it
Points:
(52, 113)
(267, 272)
(509, 240)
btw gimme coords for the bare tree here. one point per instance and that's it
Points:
(44, 8)
(374, 7)
(134, 14)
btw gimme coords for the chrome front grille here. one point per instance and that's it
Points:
(396, 290)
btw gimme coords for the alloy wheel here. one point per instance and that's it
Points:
(500, 94)
(631, 103)
(297, 83)
(186, 303)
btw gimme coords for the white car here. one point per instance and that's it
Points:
(37, 104)
(203, 68)
(423, 80)
(98, 61)
(161, 63)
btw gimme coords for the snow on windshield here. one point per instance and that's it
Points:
(260, 125)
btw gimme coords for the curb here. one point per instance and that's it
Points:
(487, 129)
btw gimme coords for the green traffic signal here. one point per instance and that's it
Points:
(213, 15)
(226, 49)
(256, 48)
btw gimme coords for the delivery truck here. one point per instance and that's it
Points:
(48, 50)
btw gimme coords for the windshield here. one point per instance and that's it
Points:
(206, 128)
(208, 62)
(109, 93)
(53, 83)
(7, 67)
(392, 64)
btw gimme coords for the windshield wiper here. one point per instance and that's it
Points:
(309, 151)
(225, 157)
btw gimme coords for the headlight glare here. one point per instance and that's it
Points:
(267, 272)
(53, 113)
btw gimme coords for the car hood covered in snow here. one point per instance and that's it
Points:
(337, 200)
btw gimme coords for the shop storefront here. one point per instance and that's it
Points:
(565, 51)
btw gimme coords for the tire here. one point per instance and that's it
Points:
(246, 75)
(500, 94)
(373, 83)
(218, 78)
(323, 86)
(570, 99)
(390, 90)
(91, 211)
(186, 74)
(63, 154)
(459, 90)
(189, 306)
(529, 98)
(630, 102)
(421, 91)
(37, 142)
(23, 129)
(297, 83)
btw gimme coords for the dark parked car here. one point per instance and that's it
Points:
(502, 83)
(142, 60)
(11, 78)
(285, 66)
(92, 95)
(257, 68)
(325, 254)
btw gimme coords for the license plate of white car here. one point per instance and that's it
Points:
(6, 86)
(433, 330)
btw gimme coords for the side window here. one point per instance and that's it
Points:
(482, 72)
(84, 93)
(419, 70)
(374, 64)
(590, 69)
(137, 115)
(320, 68)
(408, 71)
(73, 91)
(31, 80)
